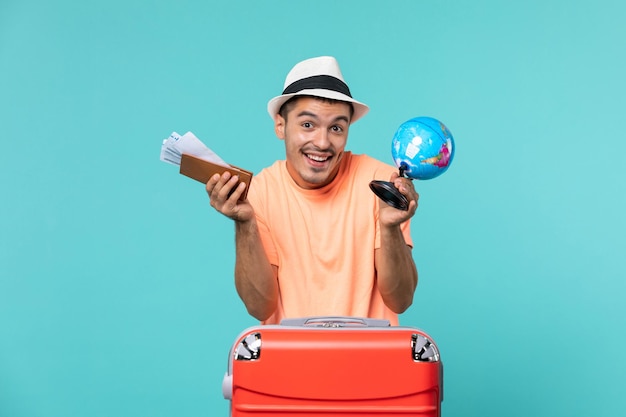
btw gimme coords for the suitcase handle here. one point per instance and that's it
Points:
(331, 321)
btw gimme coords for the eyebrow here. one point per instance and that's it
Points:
(314, 116)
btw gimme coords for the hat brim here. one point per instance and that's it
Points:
(360, 109)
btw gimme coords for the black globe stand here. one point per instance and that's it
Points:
(387, 192)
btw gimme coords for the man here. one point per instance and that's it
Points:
(312, 239)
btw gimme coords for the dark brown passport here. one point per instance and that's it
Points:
(201, 170)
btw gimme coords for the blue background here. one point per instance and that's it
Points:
(116, 289)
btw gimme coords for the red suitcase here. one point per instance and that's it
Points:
(334, 366)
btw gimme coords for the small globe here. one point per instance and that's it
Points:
(422, 148)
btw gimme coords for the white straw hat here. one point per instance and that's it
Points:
(318, 77)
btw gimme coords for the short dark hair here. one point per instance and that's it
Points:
(290, 104)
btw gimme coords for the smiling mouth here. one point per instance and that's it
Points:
(317, 158)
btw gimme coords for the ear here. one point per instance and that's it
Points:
(279, 126)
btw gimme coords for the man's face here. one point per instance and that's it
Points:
(315, 134)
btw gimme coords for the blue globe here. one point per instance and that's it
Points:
(423, 148)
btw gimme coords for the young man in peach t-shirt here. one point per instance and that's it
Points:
(311, 238)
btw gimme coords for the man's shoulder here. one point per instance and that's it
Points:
(365, 159)
(273, 171)
(362, 163)
(267, 181)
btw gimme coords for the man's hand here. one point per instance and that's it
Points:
(224, 194)
(390, 216)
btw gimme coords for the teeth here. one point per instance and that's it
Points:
(317, 158)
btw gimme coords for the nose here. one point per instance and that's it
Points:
(322, 139)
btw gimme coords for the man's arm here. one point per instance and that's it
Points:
(255, 277)
(397, 274)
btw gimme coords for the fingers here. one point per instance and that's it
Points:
(407, 188)
(223, 189)
(405, 185)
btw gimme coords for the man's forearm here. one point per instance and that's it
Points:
(254, 276)
(397, 274)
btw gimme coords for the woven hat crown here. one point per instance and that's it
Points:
(317, 77)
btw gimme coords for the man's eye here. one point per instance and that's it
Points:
(307, 125)
(337, 129)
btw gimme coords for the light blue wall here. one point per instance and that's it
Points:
(116, 293)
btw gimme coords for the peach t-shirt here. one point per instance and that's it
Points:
(323, 240)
